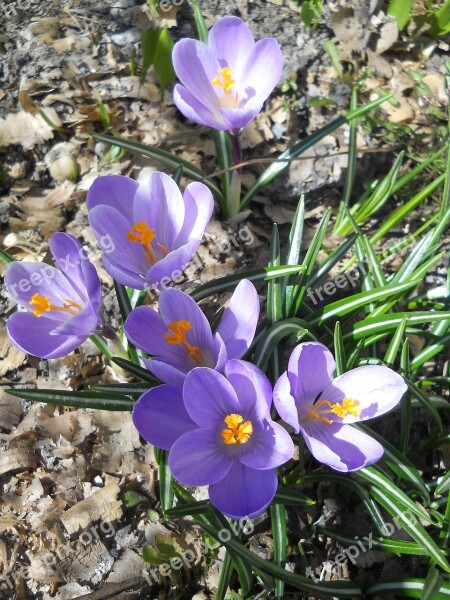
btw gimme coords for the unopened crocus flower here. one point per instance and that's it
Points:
(61, 306)
(322, 409)
(219, 433)
(225, 82)
(179, 337)
(155, 231)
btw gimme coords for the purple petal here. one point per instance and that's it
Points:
(71, 258)
(33, 335)
(219, 352)
(244, 492)
(199, 204)
(341, 447)
(105, 220)
(377, 389)
(160, 416)
(23, 280)
(238, 324)
(123, 275)
(311, 366)
(143, 327)
(269, 446)
(146, 329)
(165, 372)
(196, 67)
(115, 191)
(159, 203)
(82, 324)
(167, 270)
(237, 118)
(209, 398)
(263, 68)
(232, 43)
(285, 403)
(252, 388)
(195, 111)
(198, 458)
(175, 306)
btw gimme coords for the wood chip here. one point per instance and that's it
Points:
(17, 459)
(102, 505)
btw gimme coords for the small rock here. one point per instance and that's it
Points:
(126, 37)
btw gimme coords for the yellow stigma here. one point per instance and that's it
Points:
(237, 432)
(178, 331)
(347, 406)
(227, 84)
(144, 235)
(43, 304)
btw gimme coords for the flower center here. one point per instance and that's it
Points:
(178, 336)
(227, 84)
(145, 235)
(42, 304)
(237, 431)
(347, 406)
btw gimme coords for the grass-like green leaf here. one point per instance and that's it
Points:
(225, 283)
(274, 335)
(169, 160)
(357, 301)
(414, 529)
(279, 535)
(291, 497)
(99, 401)
(379, 481)
(284, 159)
(407, 588)
(135, 370)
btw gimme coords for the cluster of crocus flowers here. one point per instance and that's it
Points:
(322, 409)
(179, 337)
(225, 82)
(219, 433)
(61, 307)
(155, 231)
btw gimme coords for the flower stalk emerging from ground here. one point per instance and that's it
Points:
(179, 337)
(220, 433)
(154, 229)
(61, 307)
(321, 408)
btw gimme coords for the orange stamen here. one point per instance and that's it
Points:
(227, 85)
(236, 432)
(144, 235)
(341, 409)
(178, 336)
(43, 304)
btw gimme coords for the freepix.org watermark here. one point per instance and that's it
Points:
(362, 544)
(106, 244)
(351, 277)
(187, 559)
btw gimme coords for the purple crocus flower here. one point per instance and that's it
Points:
(62, 307)
(321, 408)
(179, 337)
(155, 231)
(219, 433)
(226, 81)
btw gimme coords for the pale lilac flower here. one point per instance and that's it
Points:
(179, 337)
(226, 81)
(155, 231)
(220, 433)
(61, 307)
(321, 408)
